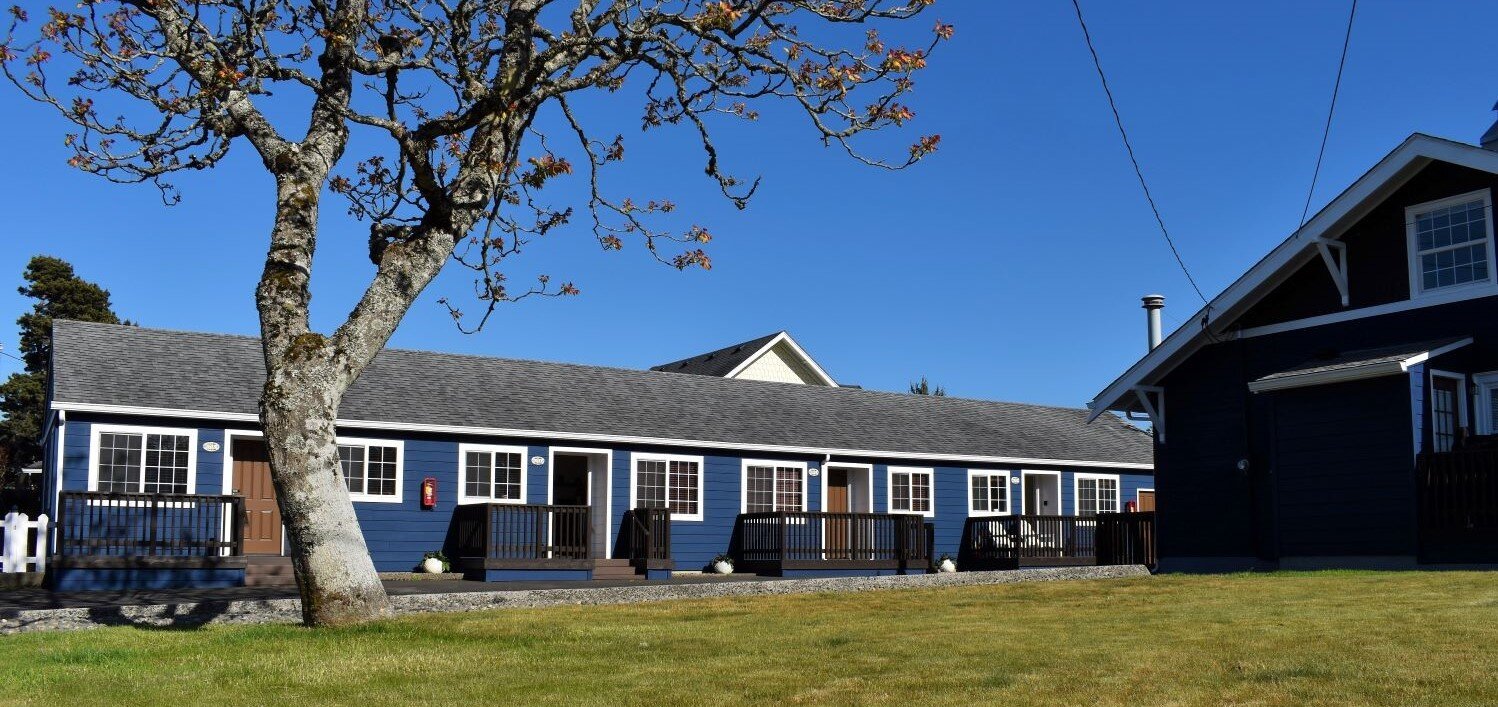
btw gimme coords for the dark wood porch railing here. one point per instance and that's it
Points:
(1457, 496)
(772, 542)
(1126, 539)
(649, 537)
(508, 531)
(139, 525)
(1008, 542)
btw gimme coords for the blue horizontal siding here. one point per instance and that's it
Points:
(399, 534)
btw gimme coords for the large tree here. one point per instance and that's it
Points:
(59, 294)
(468, 108)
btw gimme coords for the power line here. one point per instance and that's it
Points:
(1117, 119)
(1327, 131)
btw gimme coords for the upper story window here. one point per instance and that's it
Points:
(910, 491)
(371, 469)
(1451, 243)
(668, 481)
(774, 486)
(142, 460)
(1096, 493)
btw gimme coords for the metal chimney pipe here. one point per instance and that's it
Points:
(1152, 306)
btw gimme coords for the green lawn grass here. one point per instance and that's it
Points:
(1268, 639)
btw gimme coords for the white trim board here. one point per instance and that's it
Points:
(1343, 375)
(592, 437)
(1417, 151)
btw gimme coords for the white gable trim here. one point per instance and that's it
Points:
(1378, 183)
(800, 352)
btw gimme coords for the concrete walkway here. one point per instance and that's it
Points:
(186, 609)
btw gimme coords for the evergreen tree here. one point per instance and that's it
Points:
(59, 294)
(924, 388)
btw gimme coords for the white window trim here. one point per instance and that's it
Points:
(868, 470)
(400, 468)
(775, 487)
(525, 469)
(192, 450)
(634, 471)
(1076, 492)
(1008, 492)
(1417, 285)
(889, 488)
(1461, 396)
(1487, 386)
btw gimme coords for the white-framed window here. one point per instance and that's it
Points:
(1487, 402)
(371, 469)
(491, 473)
(1096, 493)
(767, 486)
(987, 492)
(911, 490)
(1450, 243)
(667, 481)
(130, 459)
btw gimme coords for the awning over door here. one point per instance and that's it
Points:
(1357, 365)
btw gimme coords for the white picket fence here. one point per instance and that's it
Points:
(15, 555)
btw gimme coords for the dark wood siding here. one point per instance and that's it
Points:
(1343, 469)
(1377, 254)
(1206, 436)
(1209, 508)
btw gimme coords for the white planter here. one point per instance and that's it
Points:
(432, 565)
(947, 566)
(723, 567)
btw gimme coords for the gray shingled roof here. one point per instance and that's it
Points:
(719, 362)
(105, 364)
(1362, 358)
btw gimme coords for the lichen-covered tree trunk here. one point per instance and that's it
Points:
(307, 374)
(334, 571)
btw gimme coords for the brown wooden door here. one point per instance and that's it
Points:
(837, 501)
(1146, 501)
(262, 517)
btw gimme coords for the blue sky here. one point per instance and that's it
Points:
(1007, 266)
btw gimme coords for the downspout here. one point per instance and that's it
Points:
(59, 430)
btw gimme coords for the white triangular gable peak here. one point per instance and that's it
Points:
(796, 351)
(1312, 240)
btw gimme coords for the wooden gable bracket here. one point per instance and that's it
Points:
(1152, 399)
(1334, 255)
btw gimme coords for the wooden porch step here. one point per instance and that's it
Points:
(614, 570)
(268, 571)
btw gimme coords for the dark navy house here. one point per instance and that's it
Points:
(157, 475)
(1337, 404)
